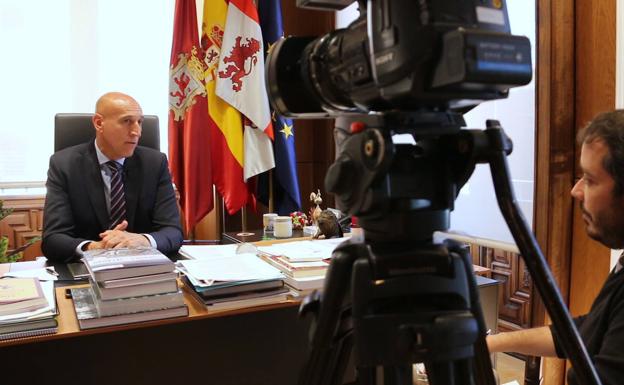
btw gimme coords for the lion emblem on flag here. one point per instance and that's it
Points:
(242, 59)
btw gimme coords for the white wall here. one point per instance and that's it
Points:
(61, 55)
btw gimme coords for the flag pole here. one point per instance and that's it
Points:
(271, 197)
(244, 219)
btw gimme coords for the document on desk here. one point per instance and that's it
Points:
(239, 267)
(201, 252)
(42, 274)
(304, 251)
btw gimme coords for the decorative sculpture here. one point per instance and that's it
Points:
(315, 212)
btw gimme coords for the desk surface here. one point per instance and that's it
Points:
(68, 324)
(257, 235)
(261, 345)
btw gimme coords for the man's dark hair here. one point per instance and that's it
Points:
(608, 127)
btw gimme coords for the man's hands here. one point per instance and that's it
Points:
(119, 237)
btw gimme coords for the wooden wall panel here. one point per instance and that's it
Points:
(576, 80)
(514, 302)
(554, 158)
(24, 223)
(595, 93)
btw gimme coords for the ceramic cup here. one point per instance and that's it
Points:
(283, 227)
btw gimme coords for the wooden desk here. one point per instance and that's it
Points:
(256, 346)
(265, 345)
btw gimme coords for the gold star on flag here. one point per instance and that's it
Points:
(287, 131)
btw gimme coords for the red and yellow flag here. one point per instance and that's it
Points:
(189, 136)
(226, 124)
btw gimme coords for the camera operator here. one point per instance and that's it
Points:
(600, 193)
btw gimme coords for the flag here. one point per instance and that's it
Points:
(226, 125)
(285, 181)
(240, 82)
(189, 138)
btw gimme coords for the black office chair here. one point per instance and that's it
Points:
(72, 129)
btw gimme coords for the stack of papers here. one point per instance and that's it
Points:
(302, 263)
(303, 251)
(238, 267)
(32, 322)
(232, 282)
(19, 295)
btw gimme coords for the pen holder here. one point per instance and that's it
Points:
(283, 227)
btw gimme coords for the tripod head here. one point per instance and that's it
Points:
(391, 186)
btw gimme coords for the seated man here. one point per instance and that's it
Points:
(600, 193)
(110, 192)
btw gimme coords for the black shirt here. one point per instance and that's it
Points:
(602, 331)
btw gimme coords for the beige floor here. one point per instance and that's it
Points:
(509, 368)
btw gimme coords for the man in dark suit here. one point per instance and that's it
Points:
(83, 184)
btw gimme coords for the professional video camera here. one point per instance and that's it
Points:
(407, 66)
(402, 54)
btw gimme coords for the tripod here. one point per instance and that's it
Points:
(400, 298)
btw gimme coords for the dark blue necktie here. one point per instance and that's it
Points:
(117, 197)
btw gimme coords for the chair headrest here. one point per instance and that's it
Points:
(71, 129)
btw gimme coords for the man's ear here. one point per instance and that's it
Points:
(97, 121)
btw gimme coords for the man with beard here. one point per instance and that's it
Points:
(600, 193)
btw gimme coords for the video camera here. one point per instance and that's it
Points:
(414, 67)
(400, 55)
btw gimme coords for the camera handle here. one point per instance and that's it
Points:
(499, 146)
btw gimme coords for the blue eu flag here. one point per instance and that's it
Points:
(285, 182)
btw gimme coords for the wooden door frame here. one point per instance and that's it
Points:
(576, 80)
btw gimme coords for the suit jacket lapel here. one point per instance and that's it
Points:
(95, 186)
(132, 177)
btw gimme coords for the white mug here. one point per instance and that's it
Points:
(283, 227)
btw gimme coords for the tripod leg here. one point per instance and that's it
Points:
(330, 339)
(483, 363)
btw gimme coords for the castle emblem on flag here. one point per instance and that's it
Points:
(211, 44)
(186, 82)
(240, 55)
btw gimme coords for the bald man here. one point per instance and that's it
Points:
(83, 184)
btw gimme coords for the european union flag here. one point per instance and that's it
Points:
(285, 182)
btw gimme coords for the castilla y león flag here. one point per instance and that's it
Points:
(189, 136)
(240, 82)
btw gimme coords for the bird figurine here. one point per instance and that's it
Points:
(315, 212)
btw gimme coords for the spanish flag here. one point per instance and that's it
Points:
(226, 124)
